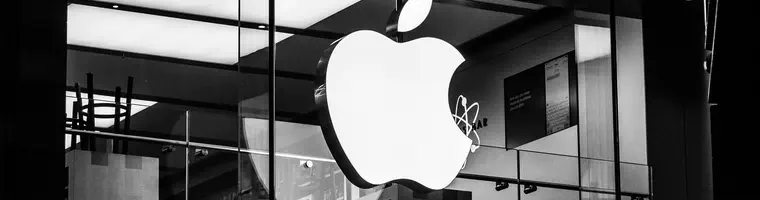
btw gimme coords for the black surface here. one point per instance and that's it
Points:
(676, 104)
(34, 57)
(732, 90)
(523, 124)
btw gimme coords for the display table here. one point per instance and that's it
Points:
(99, 176)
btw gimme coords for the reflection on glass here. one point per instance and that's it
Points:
(598, 174)
(254, 176)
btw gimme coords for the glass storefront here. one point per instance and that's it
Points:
(201, 99)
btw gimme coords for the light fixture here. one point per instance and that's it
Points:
(307, 164)
(115, 6)
(262, 27)
(290, 13)
(169, 37)
(501, 185)
(168, 149)
(201, 152)
(137, 106)
(529, 188)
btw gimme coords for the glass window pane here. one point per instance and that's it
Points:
(213, 174)
(598, 174)
(634, 178)
(254, 176)
(492, 161)
(548, 168)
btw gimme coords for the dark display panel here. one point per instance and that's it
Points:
(541, 100)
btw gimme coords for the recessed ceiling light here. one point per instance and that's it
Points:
(262, 26)
(115, 6)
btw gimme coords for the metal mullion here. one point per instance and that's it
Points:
(239, 119)
(271, 97)
(187, 154)
(614, 77)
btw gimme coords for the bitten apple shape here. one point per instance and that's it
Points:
(385, 111)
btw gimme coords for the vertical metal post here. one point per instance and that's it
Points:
(615, 122)
(578, 128)
(272, 56)
(239, 109)
(75, 123)
(81, 122)
(128, 118)
(116, 117)
(519, 195)
(651, 187)
(90, 111)
(187, 154)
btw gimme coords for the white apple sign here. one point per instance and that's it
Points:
(384, 108)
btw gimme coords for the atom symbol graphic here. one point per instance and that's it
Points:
(465, 118)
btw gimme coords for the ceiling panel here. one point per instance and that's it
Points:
(290, 13)
(161, 36)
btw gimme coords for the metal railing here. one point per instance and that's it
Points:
(518, 181)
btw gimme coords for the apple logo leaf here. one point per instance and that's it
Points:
(407, 16)
(413, 13)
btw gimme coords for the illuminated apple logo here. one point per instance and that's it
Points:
(384, 107)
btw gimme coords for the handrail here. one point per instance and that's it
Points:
(193, 144)
(557, 154)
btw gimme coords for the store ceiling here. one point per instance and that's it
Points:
(455, 24)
